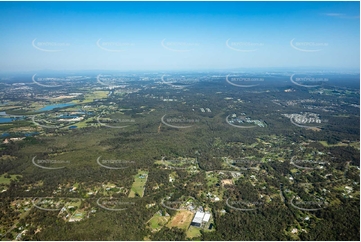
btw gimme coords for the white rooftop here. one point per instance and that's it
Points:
(198, 217)
(206, 217)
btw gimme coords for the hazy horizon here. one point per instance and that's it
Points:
(178, 36)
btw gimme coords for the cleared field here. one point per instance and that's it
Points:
(212, 179)
(9, 107)
(181, 220)
(180, 163)
(355, 145)
(227, 182)
(89, 97)
(4, 180)
(193, 232)
(157, 222)
(77, 216)
(81, 124)
(139, 183)
(74, 203)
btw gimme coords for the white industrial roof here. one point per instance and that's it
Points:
(198, 217)
(206, 217)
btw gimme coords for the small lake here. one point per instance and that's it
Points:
(19, 134)
(53, 106)
(9, 120)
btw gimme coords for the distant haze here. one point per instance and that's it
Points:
(141, 36)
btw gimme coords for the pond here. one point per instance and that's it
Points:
(9, 120)
(53, 106)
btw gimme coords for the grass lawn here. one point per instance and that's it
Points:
(139, 184)
(77, 215)
(6, 181)
(157, 222)
(212, 179)
(81, 124)
(89, 97)
(74, 203)
(193, 232)
(356, 145)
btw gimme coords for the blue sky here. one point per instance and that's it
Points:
(178, 35)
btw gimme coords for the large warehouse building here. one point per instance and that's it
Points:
(200, 218)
